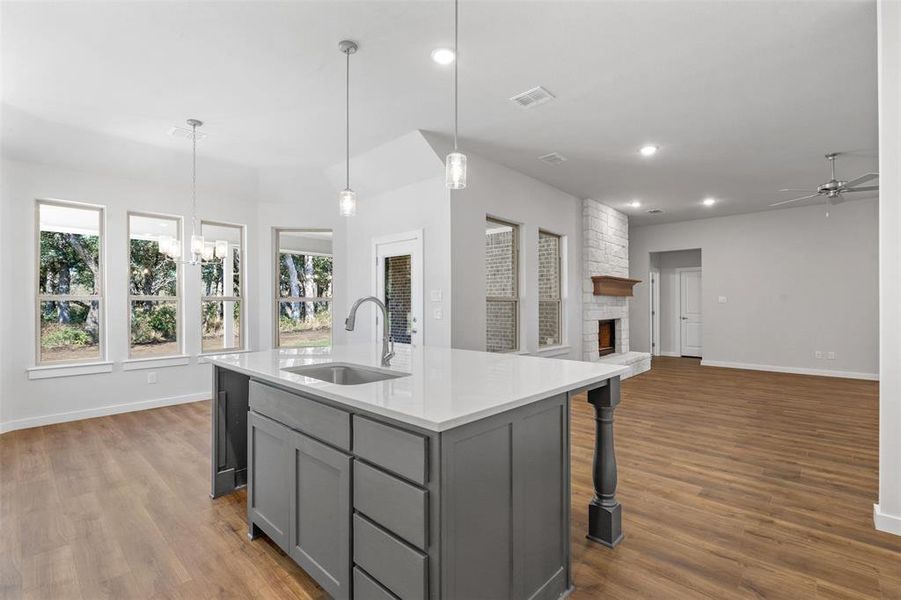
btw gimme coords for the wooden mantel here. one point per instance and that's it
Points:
(607, 285)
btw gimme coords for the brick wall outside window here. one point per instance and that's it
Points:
(397, 290)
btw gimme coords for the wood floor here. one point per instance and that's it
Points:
(735, 484)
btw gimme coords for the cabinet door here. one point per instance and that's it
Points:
(268, 498)
(321, 513)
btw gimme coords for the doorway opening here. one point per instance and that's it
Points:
(676, 303)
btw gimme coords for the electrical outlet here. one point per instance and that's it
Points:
(818, 354)
(151, 377)
(830, 356)
(437, 313)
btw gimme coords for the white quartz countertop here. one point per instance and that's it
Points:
(445, 387)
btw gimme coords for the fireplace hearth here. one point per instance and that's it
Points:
(606, 337)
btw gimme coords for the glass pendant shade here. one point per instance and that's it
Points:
(174, 249)
(209, 251)
(221, 248)
(197, 245)
(347, 203)
(164, 243)
(455, 171)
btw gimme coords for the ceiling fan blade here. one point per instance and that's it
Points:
(861, 179)
(866, 188)
(794, 200)
(794, 190)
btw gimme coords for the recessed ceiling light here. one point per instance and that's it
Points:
(649, 150)
(709, 201)
(443, 56)
(635, 204)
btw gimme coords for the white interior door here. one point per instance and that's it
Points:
(398, 283)
(690, 312)
(655, 312)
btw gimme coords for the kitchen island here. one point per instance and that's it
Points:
(445, 475)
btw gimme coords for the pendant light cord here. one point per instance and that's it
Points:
(193, 180)
(347, 122)
(456, 64)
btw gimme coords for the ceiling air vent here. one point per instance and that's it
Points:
(554, 158)
(655, 211)
(534, 97)
(184, 133)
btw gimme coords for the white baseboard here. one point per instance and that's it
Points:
(886, 522)
(102, 411)
(673, 354)
(796, 370)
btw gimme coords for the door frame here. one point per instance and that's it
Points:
(654, 311)
(416, 274)
(679, 271)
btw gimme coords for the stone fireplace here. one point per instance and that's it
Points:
(605, 251)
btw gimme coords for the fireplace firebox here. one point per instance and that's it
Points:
(606, 337)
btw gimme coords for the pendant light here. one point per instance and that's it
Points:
(197, 244)
(347, 198)
(455, 166)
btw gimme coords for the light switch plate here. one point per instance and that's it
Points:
(721, 299)
(818, 354)
(830, 356)
(436, 295)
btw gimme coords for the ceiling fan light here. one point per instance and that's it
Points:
(455, 171)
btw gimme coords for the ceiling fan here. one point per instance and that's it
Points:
(833, 189)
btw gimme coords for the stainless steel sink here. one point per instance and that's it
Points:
(344, 373)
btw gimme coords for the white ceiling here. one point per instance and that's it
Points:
(744, 97)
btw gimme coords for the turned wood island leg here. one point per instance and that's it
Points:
(605, 518)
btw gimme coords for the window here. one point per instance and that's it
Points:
(69, 283)
(222, 287)
(501, 286)
(549, 286)
(303, 294)
(153, 287)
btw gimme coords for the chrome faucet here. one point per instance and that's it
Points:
(387, 344)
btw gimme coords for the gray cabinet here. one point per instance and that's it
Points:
(478, 511)
(320, 513)
(268, 497)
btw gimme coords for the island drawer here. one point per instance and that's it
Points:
(367, 588)
(326, 423)
(398, 451)
(395, 504)
(395, 564)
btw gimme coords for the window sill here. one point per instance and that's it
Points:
(71, 370)
(135, 364)
(202, 358)
(549, 351)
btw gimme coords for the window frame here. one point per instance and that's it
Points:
(100, 286)
(276, 289)
(242, 298)
(516, 298)
(179, 290)
(559, 301)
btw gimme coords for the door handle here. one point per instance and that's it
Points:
(684, 318)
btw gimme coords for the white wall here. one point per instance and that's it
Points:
(29, 402)
(670, 323)
(887, 514)
(496, 191)
(795, 282)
